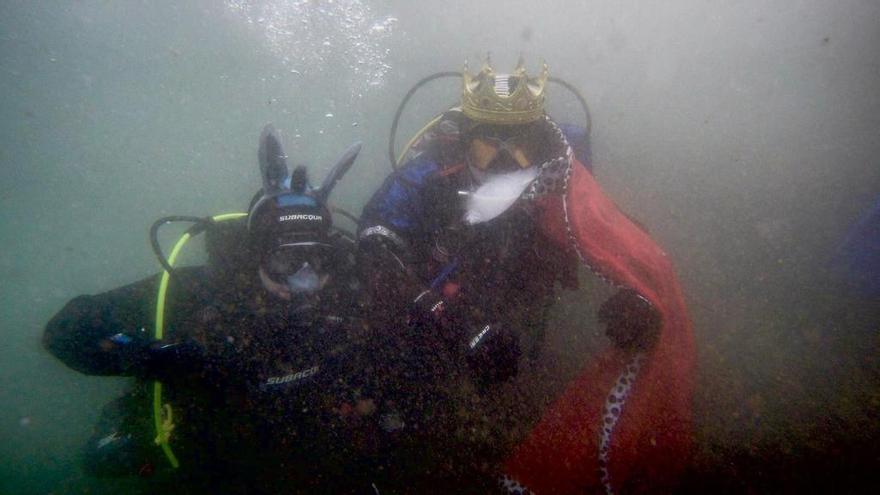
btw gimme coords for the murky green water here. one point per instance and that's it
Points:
(744, 135)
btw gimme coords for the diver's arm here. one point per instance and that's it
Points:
(97, 334)
(386, 270)
(490, 348)
(108, 333)
(389, 237)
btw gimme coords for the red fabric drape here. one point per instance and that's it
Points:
(651, 441)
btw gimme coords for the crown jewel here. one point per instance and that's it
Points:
(507, 99)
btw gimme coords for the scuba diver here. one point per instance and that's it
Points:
(253, 372)
(463, 247)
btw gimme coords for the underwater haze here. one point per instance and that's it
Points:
(745, 136)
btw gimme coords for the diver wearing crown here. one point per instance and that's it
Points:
(464, 248)
(452, 234)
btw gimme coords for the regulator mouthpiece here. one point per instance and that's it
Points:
(304, 280)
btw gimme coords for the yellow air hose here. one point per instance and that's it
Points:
(162, 414)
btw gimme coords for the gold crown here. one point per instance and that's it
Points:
(507, 99)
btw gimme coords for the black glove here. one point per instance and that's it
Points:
(428, 307)
(631, 321)
(492, 353)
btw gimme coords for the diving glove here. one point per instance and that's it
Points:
(492, 353)
(427, 307)
(631, 322)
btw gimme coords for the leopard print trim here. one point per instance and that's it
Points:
(611, 415)
(511, 486)
(553, 174)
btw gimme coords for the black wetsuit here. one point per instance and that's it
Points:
(271, 400)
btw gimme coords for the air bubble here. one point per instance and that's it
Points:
(344, 39)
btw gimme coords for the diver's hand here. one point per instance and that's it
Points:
(631, 322)
(164, 360)
(428, 307)
(492, 353)
(431, 306)
(428, 304)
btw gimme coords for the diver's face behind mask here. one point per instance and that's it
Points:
(502, 149)
(499, 155)
(296, 270)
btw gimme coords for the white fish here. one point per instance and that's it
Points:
(497, 194)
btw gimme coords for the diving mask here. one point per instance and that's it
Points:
(300, 267)
(487, 152)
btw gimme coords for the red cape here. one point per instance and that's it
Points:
(647, 428)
